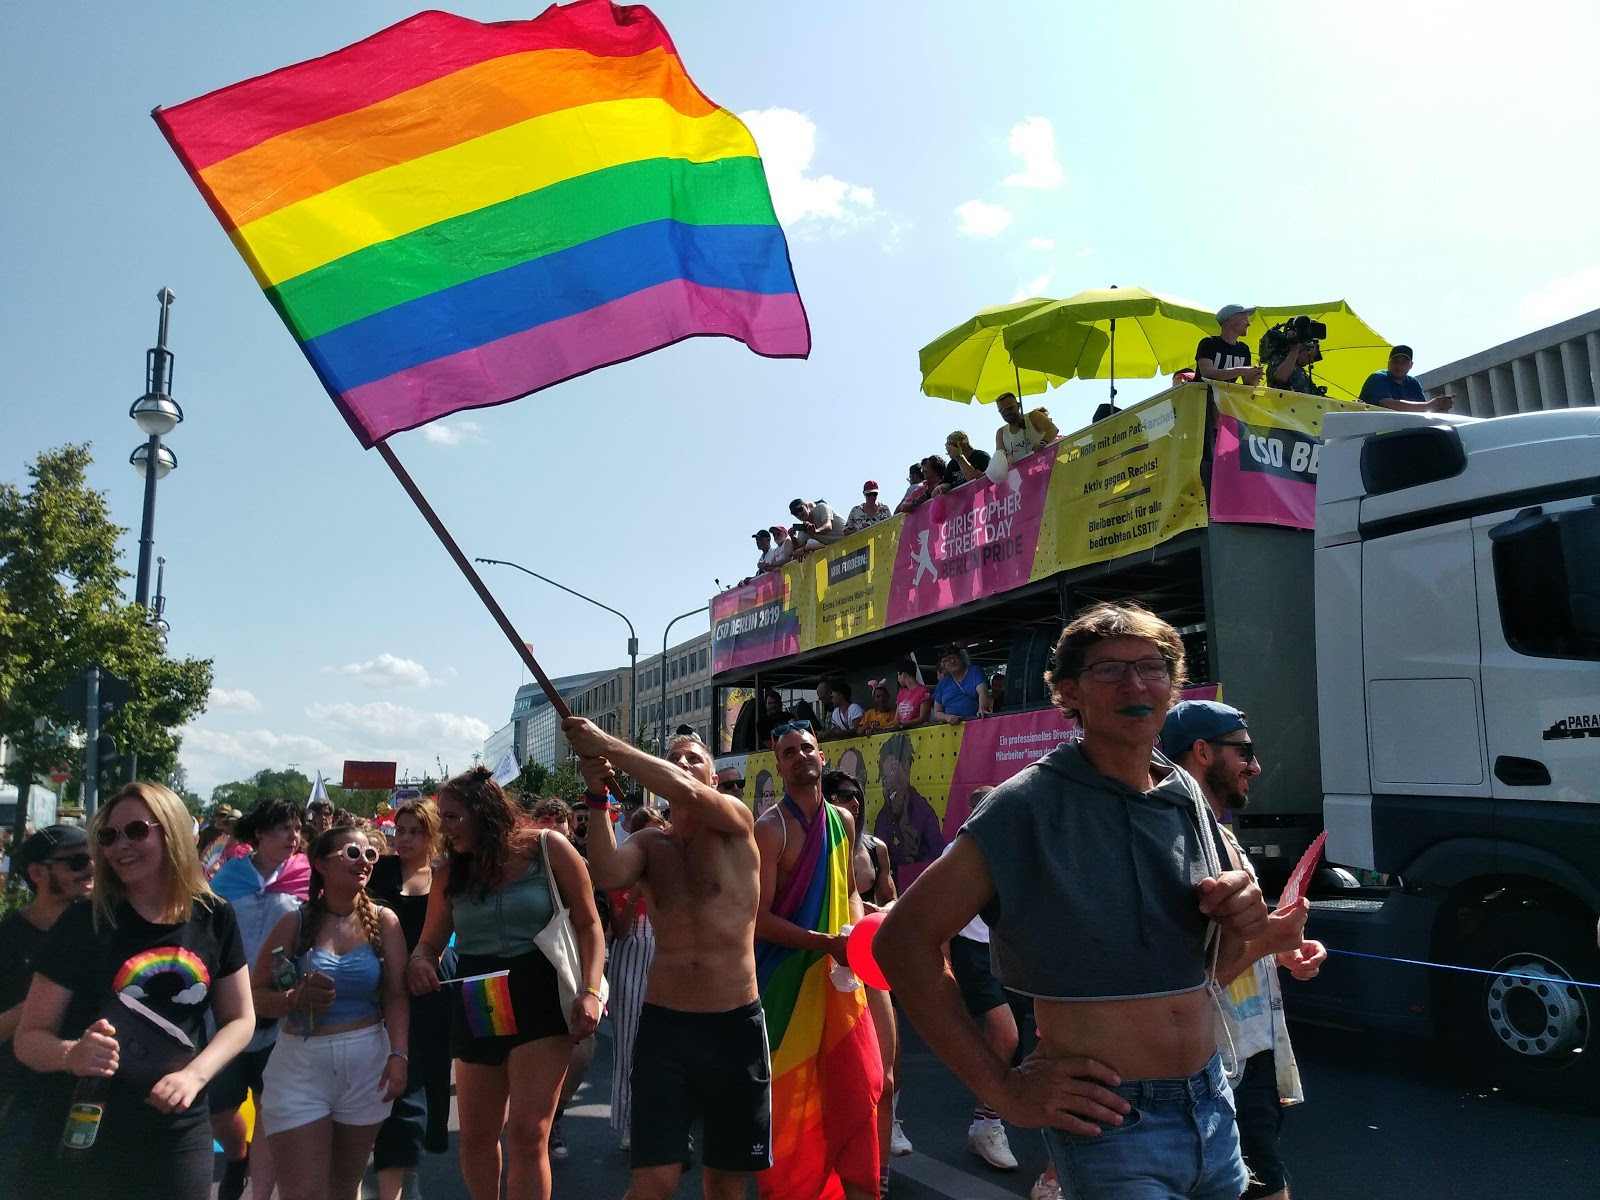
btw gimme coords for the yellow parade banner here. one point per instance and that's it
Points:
(1126, 484)
(842, 592)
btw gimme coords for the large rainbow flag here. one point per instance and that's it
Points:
(449, 214)
(827, 1075)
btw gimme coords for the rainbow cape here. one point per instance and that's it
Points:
(449, 214)
(826, 1072)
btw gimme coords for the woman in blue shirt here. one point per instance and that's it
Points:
(962, 692)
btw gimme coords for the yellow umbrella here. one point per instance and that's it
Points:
(1105, 332)
(1351, 351)
(970, 362)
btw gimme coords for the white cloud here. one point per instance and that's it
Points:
(211, 756)
(1086, 252)
(788, 142)
(1034, 287)
(1561, 298)
(389, 671)
(237, 700)
(1039, 243)
(978, 218)
(1033, 139)
(453, 434)
(381, 723)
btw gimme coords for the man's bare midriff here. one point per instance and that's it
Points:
(701, 897)
(1158, 1037)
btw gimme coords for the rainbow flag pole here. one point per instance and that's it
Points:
(450, 214)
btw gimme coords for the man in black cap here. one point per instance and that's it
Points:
(1396, 389)
(56, 864)
(1224, 357)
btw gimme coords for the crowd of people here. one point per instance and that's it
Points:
(340, 979)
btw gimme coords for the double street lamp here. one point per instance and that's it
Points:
(157, 414)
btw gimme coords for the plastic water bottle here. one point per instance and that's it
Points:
(284, 972)
(841, 976)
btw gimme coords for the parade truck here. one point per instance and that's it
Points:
(1407, 608)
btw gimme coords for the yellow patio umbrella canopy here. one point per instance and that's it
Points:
(1109, 333)
(1351, 351)
(970, 362)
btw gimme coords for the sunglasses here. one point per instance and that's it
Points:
(134, 831)
(1247, 750)
(356, 853)
(731, 785)
(848, 797)
(790, 727)
(73, 862)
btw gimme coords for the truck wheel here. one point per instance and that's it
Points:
(1528, 1027)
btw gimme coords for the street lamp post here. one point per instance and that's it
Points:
(633, 638)
(664, 633)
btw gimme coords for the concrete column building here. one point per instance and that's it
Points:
(1554, 367)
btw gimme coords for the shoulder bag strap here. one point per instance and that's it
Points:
(549, 875)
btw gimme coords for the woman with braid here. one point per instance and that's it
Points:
(340, 1059)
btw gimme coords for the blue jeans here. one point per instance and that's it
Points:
(1177, 1143)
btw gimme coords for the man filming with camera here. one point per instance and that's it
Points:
(1288, 349)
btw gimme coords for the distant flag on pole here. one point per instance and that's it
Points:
(319, 790)
(449, 215)
(506, 769)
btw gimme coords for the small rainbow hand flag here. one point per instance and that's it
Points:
(449, 215)
(486, 1000)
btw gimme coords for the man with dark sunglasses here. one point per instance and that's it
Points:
(56, 865)
(1212, 742)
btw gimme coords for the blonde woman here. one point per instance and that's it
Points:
(154, 933)
(340, 1058)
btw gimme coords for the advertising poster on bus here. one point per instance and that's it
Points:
(754, 623)
(1264, 468)
(843, 591)
(1127, 484)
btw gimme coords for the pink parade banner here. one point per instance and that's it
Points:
(754, 624)
(975, 541)
(1254, 475)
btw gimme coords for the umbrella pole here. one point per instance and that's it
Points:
(1113, 364)
(1016, 373)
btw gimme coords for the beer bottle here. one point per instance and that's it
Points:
(84, 1116)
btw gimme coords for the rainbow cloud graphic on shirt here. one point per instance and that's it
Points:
(140, 971)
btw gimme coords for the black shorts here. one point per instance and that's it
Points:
(237, 1080)
(714, 1066)
(535, 1001)
(1260, 1120)
(969, 963)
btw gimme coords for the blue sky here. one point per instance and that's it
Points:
(1434, 167)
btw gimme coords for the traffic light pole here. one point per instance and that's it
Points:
(91, 747)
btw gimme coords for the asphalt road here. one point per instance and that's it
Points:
(1385, 1119)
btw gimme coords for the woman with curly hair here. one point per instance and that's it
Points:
(156, 935)
(420, 1119)
(341, 1057)
(492, 891)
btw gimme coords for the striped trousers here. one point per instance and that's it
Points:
(627, 968)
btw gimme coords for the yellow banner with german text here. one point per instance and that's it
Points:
(842, 591)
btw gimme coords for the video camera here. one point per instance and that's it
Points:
(1281, 338)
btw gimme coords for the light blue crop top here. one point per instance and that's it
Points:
(355, 983)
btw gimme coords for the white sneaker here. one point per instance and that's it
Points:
(1045, 1188)
(987, 1139)
(899, 1143)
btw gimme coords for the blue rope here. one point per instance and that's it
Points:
(1416, 962)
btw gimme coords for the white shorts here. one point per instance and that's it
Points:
(338, 1075)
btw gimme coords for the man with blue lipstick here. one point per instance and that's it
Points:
(1119, 847)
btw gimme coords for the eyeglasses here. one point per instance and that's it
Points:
(355, 853)
(134, 831)
(1115, 670)
(790, 727)
(848, 797)
(731, 785)
(73, 862)
(1247, 750)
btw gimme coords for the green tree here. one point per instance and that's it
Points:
(62, 610)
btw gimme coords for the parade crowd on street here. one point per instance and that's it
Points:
(1091, 956)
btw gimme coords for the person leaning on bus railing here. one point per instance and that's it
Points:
(966, 463)
(962, 693)
(914, 705)
(1022, 435)
(818, 526)
(1395, 389)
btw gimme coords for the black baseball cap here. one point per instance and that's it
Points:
(50, 841)
(1399, 350)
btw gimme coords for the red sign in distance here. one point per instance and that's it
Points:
(60, 773)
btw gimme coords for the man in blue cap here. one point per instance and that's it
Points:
(1395, 389)
(1212, 742)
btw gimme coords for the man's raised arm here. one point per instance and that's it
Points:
(665, 779)
(611, 866)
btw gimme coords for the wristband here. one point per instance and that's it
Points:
(401, 1055)
(589, 991)
(594, 801)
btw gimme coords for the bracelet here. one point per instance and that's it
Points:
(594, 801)
(401, 1055)
(589, 991)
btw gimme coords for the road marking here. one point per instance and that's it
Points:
(947, 1180)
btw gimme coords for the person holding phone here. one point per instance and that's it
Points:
(153, 938)
(341, 1056)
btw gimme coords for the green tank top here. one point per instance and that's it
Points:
(504, 923)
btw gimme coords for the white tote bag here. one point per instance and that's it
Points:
(559, 943)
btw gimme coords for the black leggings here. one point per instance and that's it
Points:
(145, 1162)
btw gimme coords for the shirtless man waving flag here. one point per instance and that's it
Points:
(701, 1049)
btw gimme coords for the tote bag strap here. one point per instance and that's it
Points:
(558, 907)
